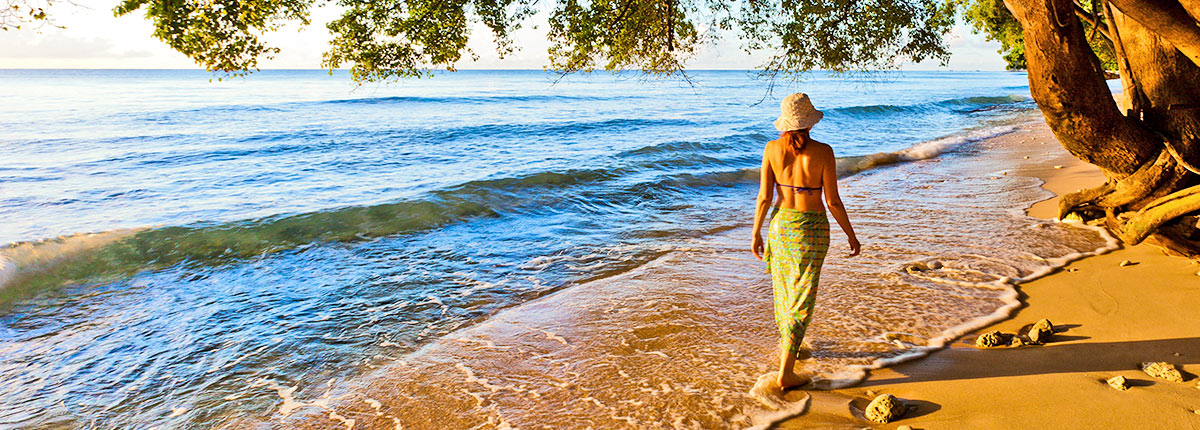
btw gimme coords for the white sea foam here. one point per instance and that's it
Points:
(921, 151)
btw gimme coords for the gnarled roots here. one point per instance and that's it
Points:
(1159, 201)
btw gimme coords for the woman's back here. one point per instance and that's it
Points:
(798, 173)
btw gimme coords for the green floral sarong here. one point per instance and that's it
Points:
(796, 245)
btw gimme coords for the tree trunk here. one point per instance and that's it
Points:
(1149, 153)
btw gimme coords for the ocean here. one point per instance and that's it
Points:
(480, 249)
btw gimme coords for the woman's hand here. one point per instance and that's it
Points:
(756, 246)
(855, 247)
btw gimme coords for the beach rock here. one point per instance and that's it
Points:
(910, 427)
(1041, 332)
(884, 409)
(1162, 370)
(993, 339)
(1118, 382)
(1058, 167)
(922, 266)
(1018, 341)
(1127, 263)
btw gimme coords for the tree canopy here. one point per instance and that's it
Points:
(378, 40)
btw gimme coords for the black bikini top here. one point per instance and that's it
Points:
(796, 189)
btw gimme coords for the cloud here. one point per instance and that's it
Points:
(54, 44)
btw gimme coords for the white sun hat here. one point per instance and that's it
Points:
(797, 112)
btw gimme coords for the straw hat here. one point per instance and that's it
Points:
(797, 113)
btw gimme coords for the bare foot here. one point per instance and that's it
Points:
(791, 380)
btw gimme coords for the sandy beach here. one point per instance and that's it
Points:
(1111, 317)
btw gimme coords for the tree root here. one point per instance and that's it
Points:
(1142, 205)
(1116, 194)
(1145, 221)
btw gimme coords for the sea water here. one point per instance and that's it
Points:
(479, 249)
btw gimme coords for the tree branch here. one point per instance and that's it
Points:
(1167, 19)
(1091, 19)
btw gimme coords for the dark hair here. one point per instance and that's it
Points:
(797, 139)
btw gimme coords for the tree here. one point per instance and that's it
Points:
(1148, 148)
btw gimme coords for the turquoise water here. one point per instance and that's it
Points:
(175, 240)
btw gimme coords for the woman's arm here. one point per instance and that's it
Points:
(834, 202)
(766, 189)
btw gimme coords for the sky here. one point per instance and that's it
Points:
(94, 39)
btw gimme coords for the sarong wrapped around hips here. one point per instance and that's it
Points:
(796, 245)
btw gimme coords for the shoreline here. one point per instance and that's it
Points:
(1114, 317)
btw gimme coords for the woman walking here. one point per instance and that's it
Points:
(799, 168)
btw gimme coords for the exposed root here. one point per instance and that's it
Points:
(1148, 202)
(1147, 220)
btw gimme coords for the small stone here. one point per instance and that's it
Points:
(1127, 263)
(884, 409)
(1073, 269)
(1041, 332)
(1026, 157)
(1118, 382)
(1176, 354)
(870, 393)
(1004, 173)
(1058, 166)
(910, 427)
(993, 339)
(1162, 370)
(1018, 341)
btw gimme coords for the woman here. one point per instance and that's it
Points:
(799, 232)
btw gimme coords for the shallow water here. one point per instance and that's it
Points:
(292, 231)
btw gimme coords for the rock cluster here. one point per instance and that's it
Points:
(884, 409)
(993, 339)
(1118, 382)
(1162, 370)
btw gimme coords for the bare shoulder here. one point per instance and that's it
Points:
(821, 148)
(773, 148)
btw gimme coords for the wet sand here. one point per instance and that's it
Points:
(1114, 317)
